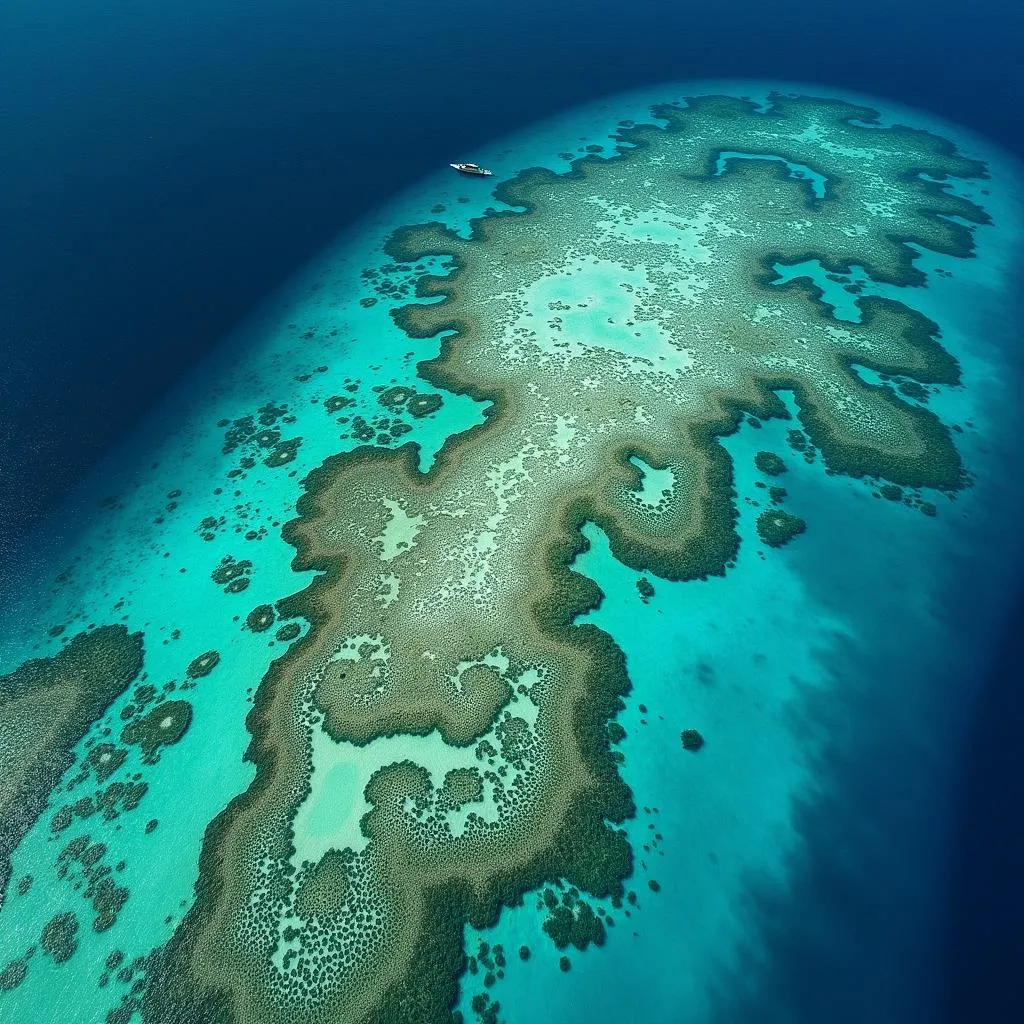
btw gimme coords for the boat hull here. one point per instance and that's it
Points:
(473, 172)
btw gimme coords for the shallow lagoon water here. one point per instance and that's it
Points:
(747, 659)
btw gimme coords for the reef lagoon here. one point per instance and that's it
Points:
(561, 602)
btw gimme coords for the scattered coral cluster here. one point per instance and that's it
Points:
(46, 707)
(49, 705)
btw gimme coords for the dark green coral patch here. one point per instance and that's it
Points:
(203, 665)
(288, 632)
(230, 569)
(162, 727)
(934, 462)
(645, 588)
(116, 799)
(62, 820)
(396, 397)
(691, 739)
(283, 452)
(105, 759)
(424, 405)
(912, 389)
(268, 438)
(60, 937)
(461, 786)
(777, 527)
(107, 900)
(261, 618)
(615, 732)
(577, 926)
(769, 463)
(240, 432)
(335, 403)
(144, 694)
(927, 361)
(13, 975)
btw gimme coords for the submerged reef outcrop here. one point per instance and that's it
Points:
(46, 706)
(776, 527)
(445, 601)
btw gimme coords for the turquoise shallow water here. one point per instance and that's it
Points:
(853, 616)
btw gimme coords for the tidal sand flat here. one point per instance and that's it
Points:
(476, 599)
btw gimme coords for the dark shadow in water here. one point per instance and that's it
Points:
(983, 961)
(857, 933)
(874, 925)
(840, 941)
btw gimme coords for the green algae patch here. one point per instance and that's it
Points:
(162, 727)
(777, 527)
(445, 601)
(46, 706)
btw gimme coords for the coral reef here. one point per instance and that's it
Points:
(163, 726)
(46, 706)
(60, 937)
(691, 739)
(769, 463)
(777, 527)
(446, 602)
(261, 618)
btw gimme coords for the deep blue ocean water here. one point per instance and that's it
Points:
(163, 168)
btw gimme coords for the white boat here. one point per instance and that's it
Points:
(476, 169)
